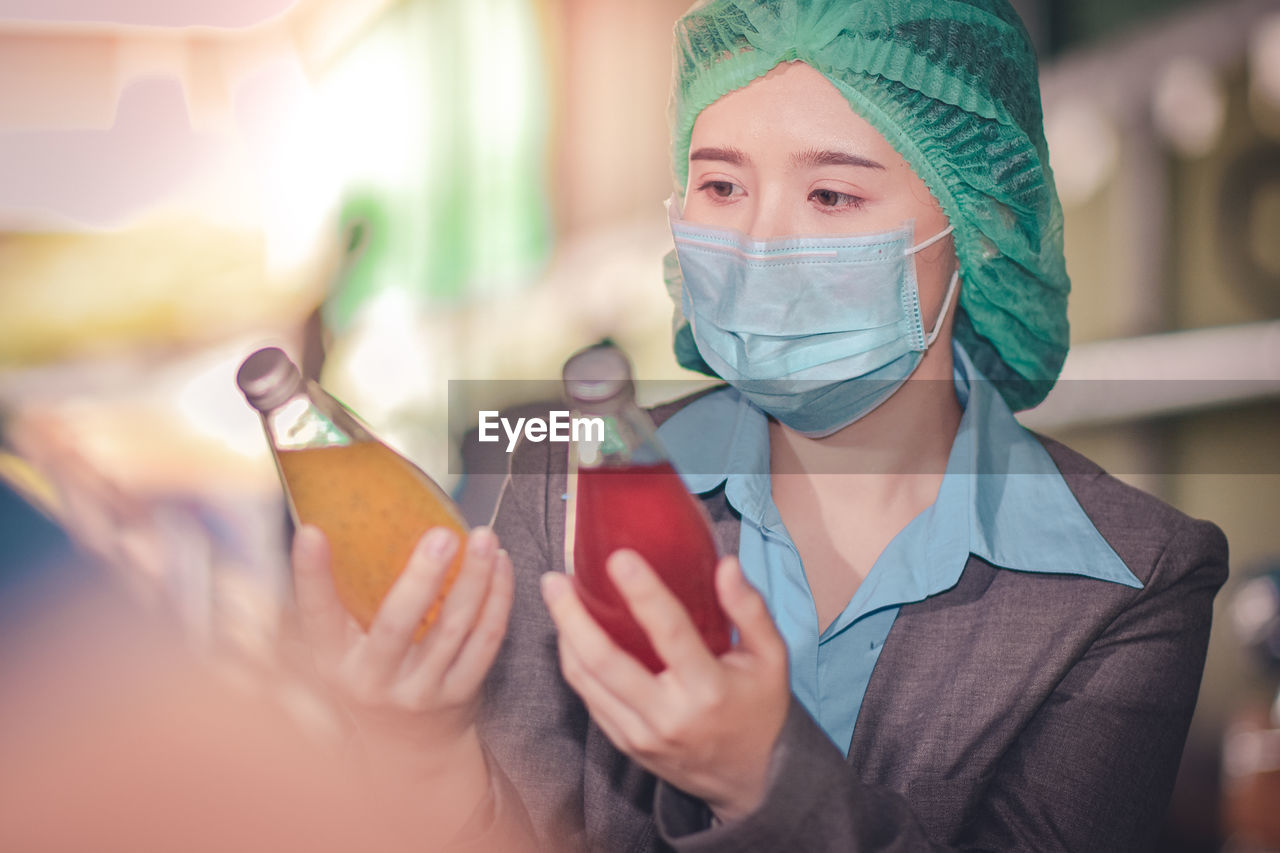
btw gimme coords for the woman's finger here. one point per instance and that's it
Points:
(663, 618)
(322, 615)
(746, 609)
(623, 724)
(595, 651)
(461, 608)
(478, 652)
(379, 654)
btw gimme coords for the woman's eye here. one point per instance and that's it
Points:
(718, 189)
(831, 198)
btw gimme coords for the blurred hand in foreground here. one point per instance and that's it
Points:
(414, 703)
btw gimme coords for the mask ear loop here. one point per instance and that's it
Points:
(946, 304)
(951, 288)
(927, 243)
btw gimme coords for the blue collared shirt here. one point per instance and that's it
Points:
(1001, 499)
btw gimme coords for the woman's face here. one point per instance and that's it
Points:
(787, 156)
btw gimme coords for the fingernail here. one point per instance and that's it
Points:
(622, 565)
(552, 586)
(309, 539)
(441, 542)
(482, 542)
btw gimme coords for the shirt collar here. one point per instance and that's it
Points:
(1021, 513)
(1024, 516)
(722, 438)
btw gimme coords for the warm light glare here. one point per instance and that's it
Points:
(1189, 107)
(300, 187)
(1084, 149)
(1264, 60)
(369, 124)
(498, 31)
(212, 406)
(389, 358)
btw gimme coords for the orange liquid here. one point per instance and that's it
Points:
(373, 506)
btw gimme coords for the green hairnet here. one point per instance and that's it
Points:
(953, 87)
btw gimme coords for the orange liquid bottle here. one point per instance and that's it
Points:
(372, 504)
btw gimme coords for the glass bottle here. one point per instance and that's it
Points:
(624, 493)
(372, 504)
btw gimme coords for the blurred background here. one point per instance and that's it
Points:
(407, 192)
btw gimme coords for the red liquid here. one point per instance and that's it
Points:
(645, 508)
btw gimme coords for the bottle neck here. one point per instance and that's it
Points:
(311, 419)
(620, 435)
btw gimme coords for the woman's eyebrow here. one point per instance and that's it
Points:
(814, 157)
(732, 156)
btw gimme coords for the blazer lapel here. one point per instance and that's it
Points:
(725, 522)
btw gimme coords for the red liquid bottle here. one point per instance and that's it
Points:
(624, 493)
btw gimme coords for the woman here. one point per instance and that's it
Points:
(952, 634)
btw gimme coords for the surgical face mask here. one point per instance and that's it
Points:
(816, 331)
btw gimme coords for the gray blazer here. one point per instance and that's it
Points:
(1015, 711)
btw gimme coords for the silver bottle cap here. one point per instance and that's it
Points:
(268, 378)
(597, 375)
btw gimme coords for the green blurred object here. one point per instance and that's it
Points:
(366, 227)
(447, 200)
(954, 87)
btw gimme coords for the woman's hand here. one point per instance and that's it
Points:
(414, 702)
(705, 724)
